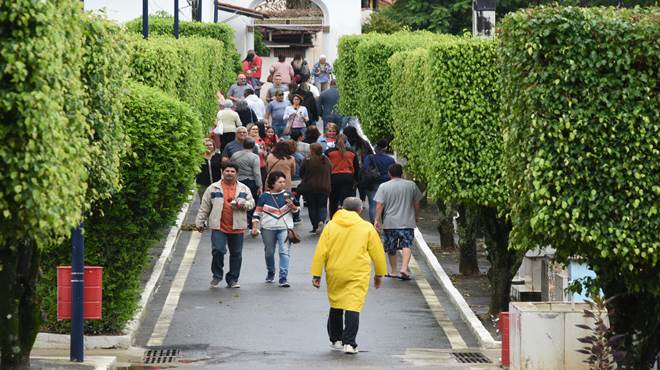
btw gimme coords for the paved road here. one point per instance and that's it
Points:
(263, 326)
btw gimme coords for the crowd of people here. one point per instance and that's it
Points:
(266, 158)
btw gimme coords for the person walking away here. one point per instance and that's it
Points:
(346, 249)
(295, 116)
(345, 173)
(245, 113)
(315, 174)
(362, 148)
(229, 121)
(295, 180)
(210, 170)
(300, 68)
(397, 212)
(249, 171)
(256, 104)
(253, 63)
(274, 214)
(280, 159)
(328, 103)
(329, 138)
(301, 146)
(278, 86)
(282, 68)
(321, 71)
(275, 113)
(224, 206)
(237, 90)
(236, 145)
(375, 166)
(312, 134)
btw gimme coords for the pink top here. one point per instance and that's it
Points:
(284, 69)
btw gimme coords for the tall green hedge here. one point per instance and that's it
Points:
(582, 119)
(229, 61)
(191, 68)
(43, 154)
(364, 72)
(157, 175)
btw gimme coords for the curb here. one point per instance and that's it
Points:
(125, 340)
(474, 324)
(96, 362)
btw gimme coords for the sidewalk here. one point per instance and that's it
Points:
(264, 326)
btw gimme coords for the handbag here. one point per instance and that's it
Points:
(291, 235)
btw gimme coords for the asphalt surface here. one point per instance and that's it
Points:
(263, 326)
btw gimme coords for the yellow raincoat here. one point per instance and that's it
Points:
(346, 248)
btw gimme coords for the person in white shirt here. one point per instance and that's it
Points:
(255, 103)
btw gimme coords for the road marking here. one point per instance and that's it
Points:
(172, 301)
(454, 337)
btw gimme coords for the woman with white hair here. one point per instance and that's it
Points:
(322, 71)
(227, 121)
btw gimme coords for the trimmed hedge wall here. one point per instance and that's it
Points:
(157, 175)
(369, 82)
(229, 61)
(582, 118)
(182, 68)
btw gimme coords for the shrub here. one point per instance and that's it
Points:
(157, 175)
(346, 71)
(371, 77)
(381, 23)
(164, 26)
(182, 68)
(582, 120)
(445, 109)
(43, 155)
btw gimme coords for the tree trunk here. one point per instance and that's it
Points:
(504, 262)
(468, 226)
(445, 225)
(637, 316)
(19, 309)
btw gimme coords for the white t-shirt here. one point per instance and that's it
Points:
(257, 105)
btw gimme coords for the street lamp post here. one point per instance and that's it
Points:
(176, 18)
(145, 19)
(77, 353)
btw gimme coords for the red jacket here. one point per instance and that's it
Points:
(349, 163)
(256, 65)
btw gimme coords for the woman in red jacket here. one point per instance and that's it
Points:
(345, 167)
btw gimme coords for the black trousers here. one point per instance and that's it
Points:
(252, 185)
(317, 204)
(341, 188)
(345, 331)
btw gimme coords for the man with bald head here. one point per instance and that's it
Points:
(237, 90)
(346, 248)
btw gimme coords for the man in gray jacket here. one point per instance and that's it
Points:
(249, 171)
(225, 204)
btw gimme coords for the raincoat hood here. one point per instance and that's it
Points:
(346, 218)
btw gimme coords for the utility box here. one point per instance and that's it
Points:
(93, 293)
(543, 335)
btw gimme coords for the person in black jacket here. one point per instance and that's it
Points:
(308, 101)
(245, 113)
(210, 170)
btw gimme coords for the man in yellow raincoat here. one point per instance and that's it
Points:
(346, 248)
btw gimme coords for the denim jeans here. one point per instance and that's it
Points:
(317, 207)
(272, 239)
(219, 243)
(279, 129)
(371, 194)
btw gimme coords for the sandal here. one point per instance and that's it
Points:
(404, 276)
(392, 276)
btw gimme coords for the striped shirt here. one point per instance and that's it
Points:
(272, 211)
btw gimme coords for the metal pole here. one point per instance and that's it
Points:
(215, 11)
(77, 295)
(145, 19)
(199, 10)
(176, 18)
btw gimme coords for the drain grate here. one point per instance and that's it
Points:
(471, 358)
(161, 355)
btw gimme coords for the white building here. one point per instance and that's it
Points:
(339, 17)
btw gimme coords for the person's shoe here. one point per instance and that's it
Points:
(284, 283)
(348, 349)
(270, 278)
(215, 283)
(337, 346)
(233, 284)
(312, 231)
(297, 221)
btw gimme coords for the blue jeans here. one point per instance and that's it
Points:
(371, 194)
(279, 128)
(219, 243)
(271, 239)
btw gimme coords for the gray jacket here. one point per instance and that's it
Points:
(213, 201)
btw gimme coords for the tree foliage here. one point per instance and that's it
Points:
(582, 135)
(380, 23)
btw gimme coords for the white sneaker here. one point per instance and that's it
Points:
(337, 346)
(350, 349)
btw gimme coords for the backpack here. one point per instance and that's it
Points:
(369, 177)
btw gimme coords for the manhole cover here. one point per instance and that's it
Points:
(471, 358)
(161, 355)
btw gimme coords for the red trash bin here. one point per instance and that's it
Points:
(93, 299)
(504, 332)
